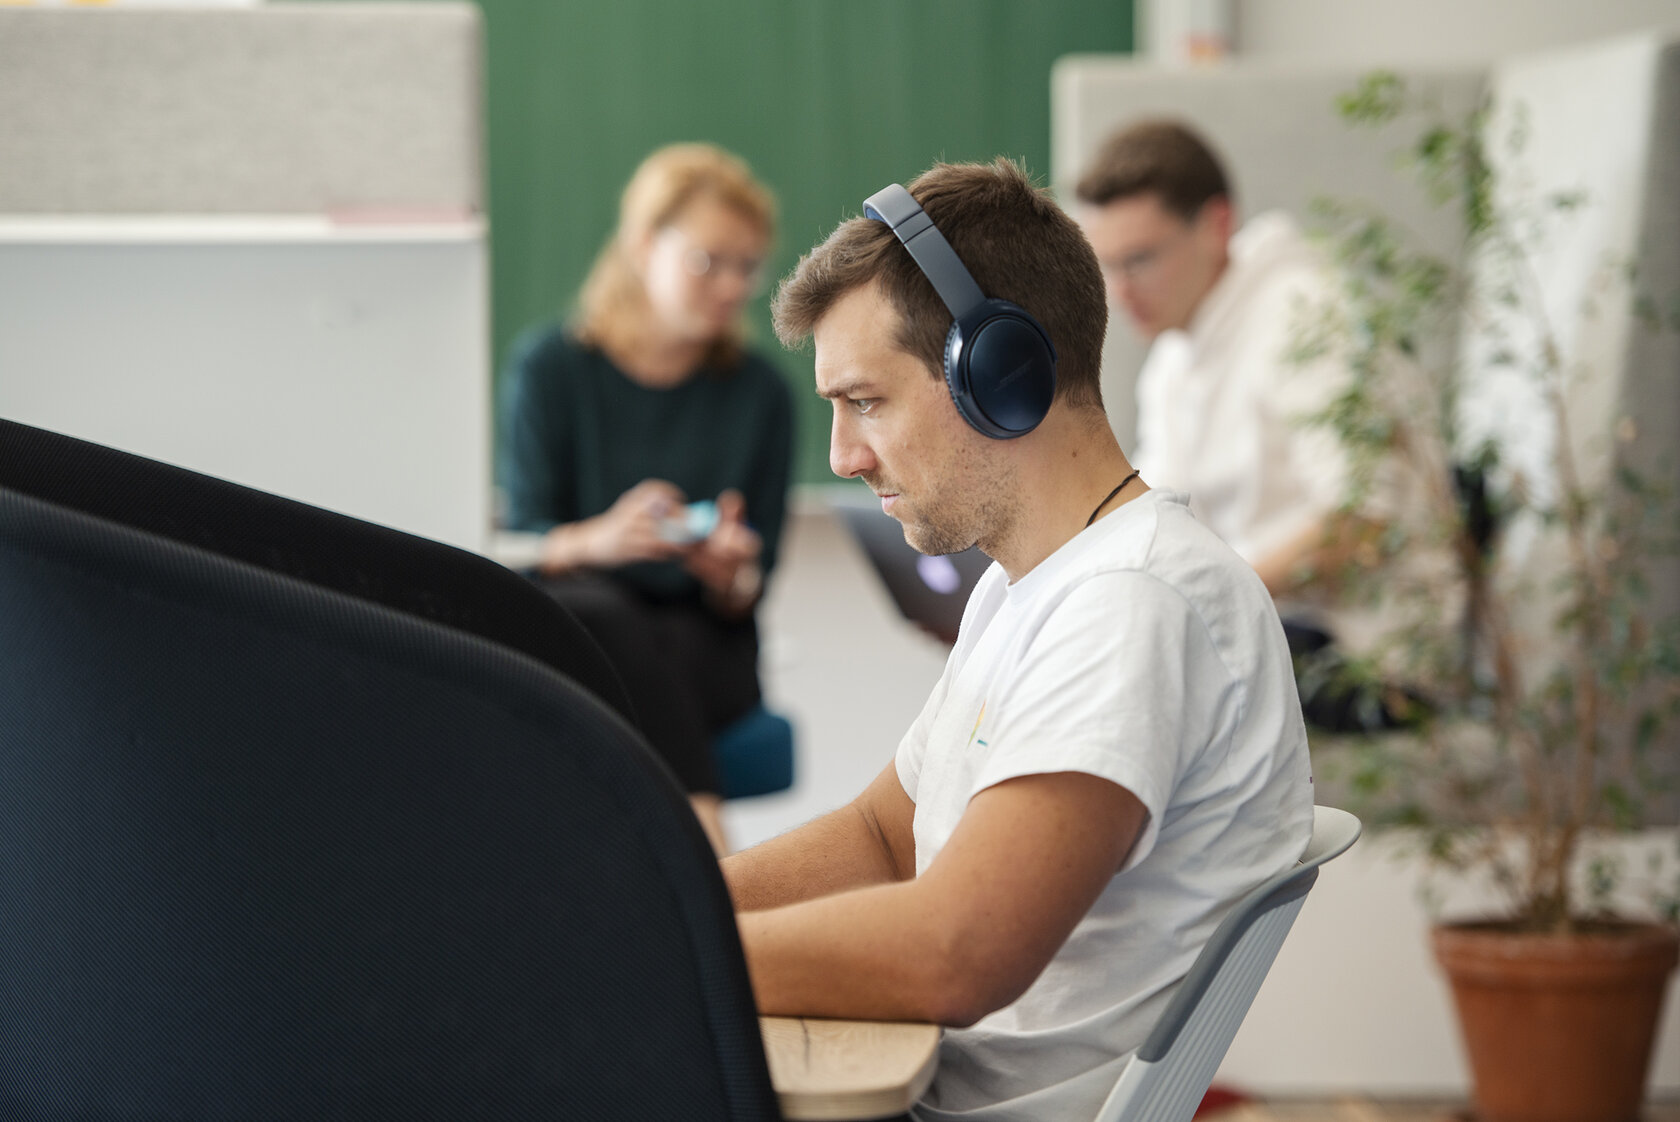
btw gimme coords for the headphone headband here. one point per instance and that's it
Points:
(999, 363)
(904, 216)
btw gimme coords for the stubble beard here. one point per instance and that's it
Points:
(937, 538)
(953, 520)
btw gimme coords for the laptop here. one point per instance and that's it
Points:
(929, 591)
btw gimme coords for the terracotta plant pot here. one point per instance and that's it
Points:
(1559, 1028)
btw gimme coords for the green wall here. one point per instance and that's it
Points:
(827, 100)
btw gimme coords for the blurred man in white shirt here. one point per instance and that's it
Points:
(1223, 408)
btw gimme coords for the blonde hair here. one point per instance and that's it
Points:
(612, 305)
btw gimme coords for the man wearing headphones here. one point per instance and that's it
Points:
(1114, 753)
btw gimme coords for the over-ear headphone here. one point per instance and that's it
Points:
(999, 363)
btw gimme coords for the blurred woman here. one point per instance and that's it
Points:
(648, 401)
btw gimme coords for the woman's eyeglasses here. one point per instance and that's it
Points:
(700, 262)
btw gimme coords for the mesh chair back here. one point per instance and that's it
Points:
(275, 852)
(1167, 1078)
(411, 574)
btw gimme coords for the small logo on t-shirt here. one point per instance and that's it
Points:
(973, 736)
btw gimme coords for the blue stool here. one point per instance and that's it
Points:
(754, 755)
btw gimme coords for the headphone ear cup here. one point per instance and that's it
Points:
(1001, 369)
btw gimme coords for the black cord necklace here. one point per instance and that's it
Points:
(1109, 496)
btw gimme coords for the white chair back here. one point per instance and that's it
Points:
(1165, 1081)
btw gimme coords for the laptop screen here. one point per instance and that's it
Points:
(930, 591)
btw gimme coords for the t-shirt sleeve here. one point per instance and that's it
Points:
(1127, 701)
(912, 747)
(534, 443)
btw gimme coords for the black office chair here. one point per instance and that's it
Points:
(272, 849)
(372, 562)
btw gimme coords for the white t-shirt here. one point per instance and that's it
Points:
(1146, 652)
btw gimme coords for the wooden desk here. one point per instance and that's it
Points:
(824, 1070)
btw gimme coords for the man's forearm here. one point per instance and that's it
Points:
(836, 852)
(1319, 554)
(972, 932)
(868, 954)
(868, 841)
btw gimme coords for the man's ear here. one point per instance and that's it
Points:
(1219, 217)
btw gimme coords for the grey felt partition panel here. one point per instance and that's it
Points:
(250, 240)
(1651, 361)
(273, 109)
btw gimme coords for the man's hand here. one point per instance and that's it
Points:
(726, 561)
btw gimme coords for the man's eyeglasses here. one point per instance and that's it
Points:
(1139, 267)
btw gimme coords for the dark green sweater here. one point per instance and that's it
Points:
(576, 434)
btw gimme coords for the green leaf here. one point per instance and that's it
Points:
(1624, 810)
(1376, 100)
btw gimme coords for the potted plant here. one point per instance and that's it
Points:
(1536, 705)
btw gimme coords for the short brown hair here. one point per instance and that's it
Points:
(1167, 159)
(1016, 242)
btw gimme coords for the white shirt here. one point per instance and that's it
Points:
(1147, 653)
(1223, 413)
(1221, 404)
